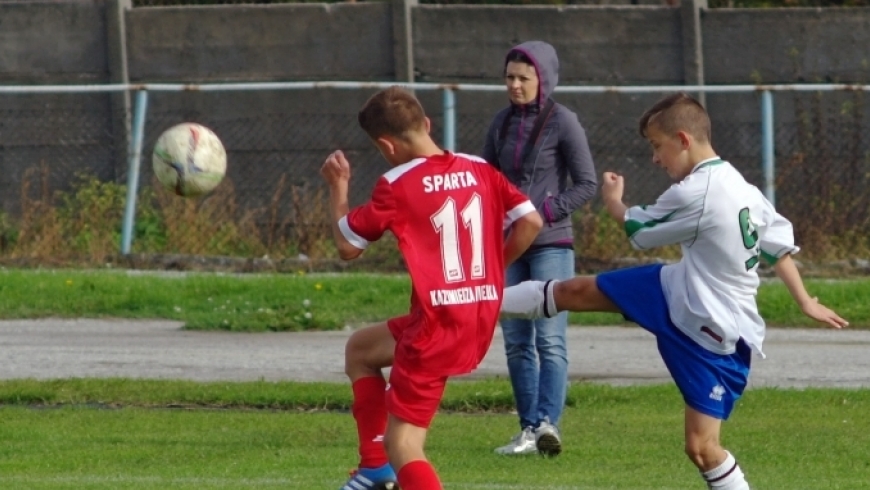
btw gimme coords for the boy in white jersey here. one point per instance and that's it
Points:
(702, 309)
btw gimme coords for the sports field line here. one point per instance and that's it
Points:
(168, 482)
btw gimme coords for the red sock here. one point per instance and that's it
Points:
(419, 475)
(370, 412)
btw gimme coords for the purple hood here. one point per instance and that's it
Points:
(546, 63)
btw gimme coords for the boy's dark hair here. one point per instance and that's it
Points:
(678, 112)
(391, 112)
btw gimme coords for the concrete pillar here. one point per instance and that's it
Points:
(693, 53)
(121, 107)
(403, 39)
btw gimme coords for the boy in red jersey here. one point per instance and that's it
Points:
(449, 212)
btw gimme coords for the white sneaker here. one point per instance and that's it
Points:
(529, 299)
(522, 443)
(547, 439)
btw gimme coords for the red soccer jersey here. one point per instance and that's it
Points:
(449, 213)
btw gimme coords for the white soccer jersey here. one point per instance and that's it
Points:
(724, 225)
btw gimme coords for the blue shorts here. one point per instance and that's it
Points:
(710, 383)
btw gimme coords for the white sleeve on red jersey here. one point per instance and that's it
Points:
(367, 223)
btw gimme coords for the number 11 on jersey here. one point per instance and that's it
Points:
(446, 224)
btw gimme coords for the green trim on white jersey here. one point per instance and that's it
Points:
(708, 163)
(633, 226)
(769, 258)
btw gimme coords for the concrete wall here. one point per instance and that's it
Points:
(65, 42)
(787, 45)
(52, 43)
(596, 45)
(266, 42)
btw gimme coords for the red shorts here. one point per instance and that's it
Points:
(412, 396)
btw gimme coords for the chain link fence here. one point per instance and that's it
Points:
(65, 161)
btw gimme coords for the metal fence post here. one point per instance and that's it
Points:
(140, 109)
(449, 120)
(768, 164)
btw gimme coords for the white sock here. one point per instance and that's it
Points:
(550, 301)
(726, 476)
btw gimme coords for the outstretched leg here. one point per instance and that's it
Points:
(545, 299)
(717, 466)
(581, 293)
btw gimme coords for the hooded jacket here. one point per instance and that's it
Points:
(561, 152)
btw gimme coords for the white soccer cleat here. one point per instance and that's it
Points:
(529, 299)
(547, 439)
(522, 443)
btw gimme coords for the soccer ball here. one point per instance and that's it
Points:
(189, 159)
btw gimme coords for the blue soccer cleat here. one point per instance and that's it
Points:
(380, 478)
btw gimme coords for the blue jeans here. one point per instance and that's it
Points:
(537, 356)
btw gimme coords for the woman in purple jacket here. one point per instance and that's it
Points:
(540, 146)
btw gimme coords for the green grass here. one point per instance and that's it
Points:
(144, 434)
(468, 396)
(258, 302)
(616, 438)
(205, 301)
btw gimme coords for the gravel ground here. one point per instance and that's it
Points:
(54, 348)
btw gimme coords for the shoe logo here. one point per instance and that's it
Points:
(717, 392)
(705, 329)
(378, 438)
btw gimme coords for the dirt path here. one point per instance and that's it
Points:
(160, 349)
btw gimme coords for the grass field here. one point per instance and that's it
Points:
(150, 434)
(616, 438)
(278, 302)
